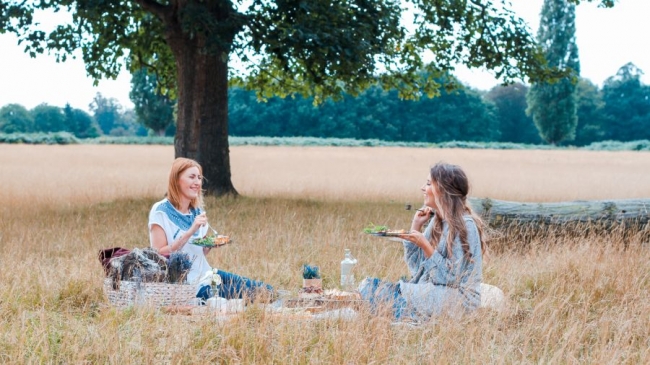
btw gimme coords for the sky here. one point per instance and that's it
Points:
(607, 39)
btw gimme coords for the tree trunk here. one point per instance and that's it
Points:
(202, 126)
(499, 212)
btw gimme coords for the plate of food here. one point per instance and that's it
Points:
(384, 231)
(212, 241)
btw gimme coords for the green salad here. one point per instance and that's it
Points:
(373, 228)
(204, 242)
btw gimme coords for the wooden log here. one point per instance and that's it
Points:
(499, 212)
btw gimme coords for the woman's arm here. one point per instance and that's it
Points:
(159, 238)
(414, 255)
(418, 239)
(446, 270)
(415, 235)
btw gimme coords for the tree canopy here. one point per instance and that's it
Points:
(80, 123)
(48, 118)
(15, 118)
(460, 115)
(627, 105)
(511, 105)
(318, 48)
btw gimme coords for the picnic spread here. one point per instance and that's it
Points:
(142, 277)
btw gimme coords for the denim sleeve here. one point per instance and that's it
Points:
(473, 238)
(413, 255)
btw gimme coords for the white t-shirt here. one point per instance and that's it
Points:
(175, 224)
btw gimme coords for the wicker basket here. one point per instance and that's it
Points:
(153, 294)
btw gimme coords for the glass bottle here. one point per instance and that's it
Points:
(347, 277)
(214, 283)
(139, 290)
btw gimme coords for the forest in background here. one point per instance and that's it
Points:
(618, 111)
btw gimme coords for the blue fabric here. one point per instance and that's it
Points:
(181, 220)
(451, 270)
(234, 286)
(381, 294)
(204, 293)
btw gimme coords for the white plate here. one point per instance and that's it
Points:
(388, 237)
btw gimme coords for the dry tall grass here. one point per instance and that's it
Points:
(93, 173)
(572, 299)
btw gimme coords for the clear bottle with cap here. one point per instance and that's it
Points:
(214, 283)
(139, 290)
(347, 266)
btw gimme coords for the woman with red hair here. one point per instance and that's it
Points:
(179, 219)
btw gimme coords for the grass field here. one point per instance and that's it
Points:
(83, 174)
(572, 298)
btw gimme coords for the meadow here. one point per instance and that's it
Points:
(572, 298)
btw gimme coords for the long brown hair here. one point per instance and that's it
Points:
(453, 187)
(173, 190)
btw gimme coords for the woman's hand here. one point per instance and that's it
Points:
(199, 221)
(419, 240)
(159, 238)
(422, 215)
(416, 237)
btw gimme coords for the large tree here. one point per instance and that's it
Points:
(553, 104)
(318, 48)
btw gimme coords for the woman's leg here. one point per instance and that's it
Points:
(234, 286)
(204, 293)
(382, 294)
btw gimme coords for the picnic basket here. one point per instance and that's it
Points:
(152, 294)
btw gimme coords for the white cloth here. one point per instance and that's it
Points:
(492, 297)
(165, 215)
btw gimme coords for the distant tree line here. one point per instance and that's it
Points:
(108, 118)
(375, 114)
(620, 110)
(152, 115)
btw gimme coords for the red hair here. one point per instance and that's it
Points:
(173, 190)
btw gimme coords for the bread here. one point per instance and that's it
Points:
(341, 295)
(221, 240)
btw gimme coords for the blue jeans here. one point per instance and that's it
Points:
(234, 286)
(383, 294)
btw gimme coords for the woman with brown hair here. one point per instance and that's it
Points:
(179, 219)
(446, 260)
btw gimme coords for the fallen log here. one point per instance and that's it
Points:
(500, 212)
(517, 226)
